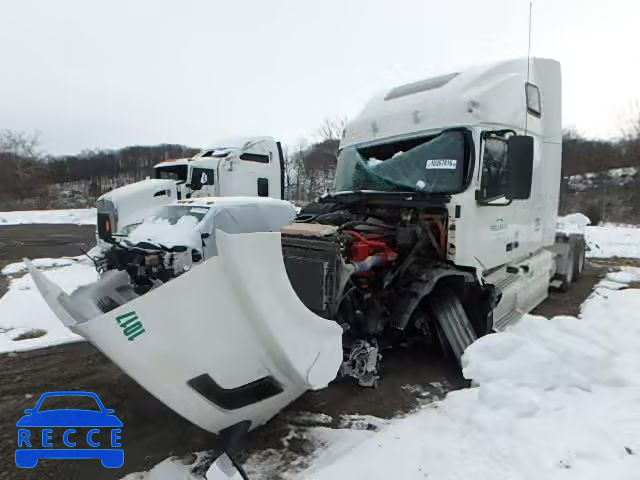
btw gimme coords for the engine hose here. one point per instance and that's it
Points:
(368, 263)
(354, 223)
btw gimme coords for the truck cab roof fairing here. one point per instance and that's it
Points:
(492, 95)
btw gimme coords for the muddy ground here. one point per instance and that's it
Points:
(151, 431)
(39, 241)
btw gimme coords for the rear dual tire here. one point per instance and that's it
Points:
(574, 263)
(578, 258)
(567, 277)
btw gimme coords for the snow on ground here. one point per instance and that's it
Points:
(328, 444)
(603, 241)
(551, 399)
(44, 263)
(79, 216)
(554, 399)
(625, 275)
(620, 176)
(172, 468)
(613, 241)
(572, 223)
(26, 322)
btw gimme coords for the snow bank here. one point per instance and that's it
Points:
(173, 468)
(603, 241)
(625, 275)
(26, 322)
(20, 267)
(572, 223)
(78, 216)
(613, 241)
(554, 399)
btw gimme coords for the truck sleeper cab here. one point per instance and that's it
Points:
(444, 213)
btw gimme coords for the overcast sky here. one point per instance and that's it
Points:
(89, 74)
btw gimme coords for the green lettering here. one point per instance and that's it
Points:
(132, 328)
(122, 317)
(129, 321)
(137, 334)
(131, 325)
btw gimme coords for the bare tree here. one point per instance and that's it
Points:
(297, 171)
(21, 171)
(289, 173)
(21, 144)
(631, 126)
(331, 128)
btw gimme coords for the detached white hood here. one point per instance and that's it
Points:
(227, 342)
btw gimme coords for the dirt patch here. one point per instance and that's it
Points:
(151, 431)
(38, 241)
(616, 262)
(558, 303)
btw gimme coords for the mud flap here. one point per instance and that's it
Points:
(227, 342)
(453, 322)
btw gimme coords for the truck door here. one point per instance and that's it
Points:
(500, 223)
(202, 182)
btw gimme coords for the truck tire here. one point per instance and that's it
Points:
(452, 322)
(578, 258)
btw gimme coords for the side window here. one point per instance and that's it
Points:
(494, 179)
(534, 105)
(200, 177)
(254, 157)
(263, 187)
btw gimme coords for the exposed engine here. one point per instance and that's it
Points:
(147, 264)
(369, 268)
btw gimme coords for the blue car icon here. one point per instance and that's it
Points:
(36, 428)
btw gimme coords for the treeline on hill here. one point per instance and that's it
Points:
(136, 161)
(31, 179)
(581, 155)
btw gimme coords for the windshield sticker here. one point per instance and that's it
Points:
(199, 210)
(441, 164)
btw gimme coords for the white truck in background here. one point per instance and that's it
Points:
(441, 229)
(250, 167)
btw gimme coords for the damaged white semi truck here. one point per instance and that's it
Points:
(441, 228)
